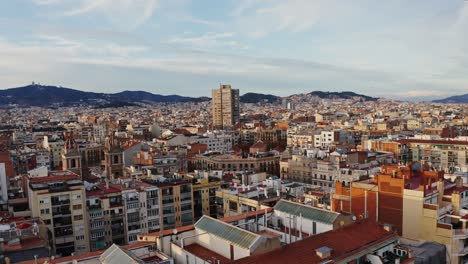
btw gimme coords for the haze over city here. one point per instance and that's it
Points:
(414, 50)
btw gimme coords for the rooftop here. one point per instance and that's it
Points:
(206, 254)
(235, 235)
(359, 237)
(430, 141)
(56, 176)
(309, 212)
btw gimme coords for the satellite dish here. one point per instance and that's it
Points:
(354, 218)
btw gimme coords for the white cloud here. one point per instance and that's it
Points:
(125, 14)
(208, 40)
(47, 2)
(259, 18)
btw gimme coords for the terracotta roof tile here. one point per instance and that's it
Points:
(358, 237)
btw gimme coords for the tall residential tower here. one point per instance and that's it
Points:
(225, 106)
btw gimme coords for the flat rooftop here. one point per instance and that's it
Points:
(206, 254)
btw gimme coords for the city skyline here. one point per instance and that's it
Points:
(412, 51)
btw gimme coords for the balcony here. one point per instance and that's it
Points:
(62, 188)
(94, 207)
(115, 204)
(118, 233)
(60, 202)
(64, 239)
(130, 199)
(460, 233)
(62, 222)
(63, 212)
(64, 236)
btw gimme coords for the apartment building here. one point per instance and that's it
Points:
(59, 200)
(204, 197)
(163, 163)
(43, 159)
(175, 203)
(242, 199)
(3, 187)
(437, 213)
(216, 142)
(447, 155)
(55, 146)
(225, 106)
(326, 138)
(318, 172)
(261, 162)
(106, 216)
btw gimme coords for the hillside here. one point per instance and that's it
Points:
(459, 99)
(257, 97)
(42, 95)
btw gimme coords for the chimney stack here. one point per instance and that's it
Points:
(459, 182)
(440, 189)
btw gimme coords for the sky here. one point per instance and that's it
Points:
(399, 49)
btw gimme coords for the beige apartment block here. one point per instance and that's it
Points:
(59, 199)
(225, 106)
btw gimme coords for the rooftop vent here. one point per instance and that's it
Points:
(323, 252)
(388, 227)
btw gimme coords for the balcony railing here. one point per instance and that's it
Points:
(61, 212)
(94, 207)
(460, 233)
(60, 202)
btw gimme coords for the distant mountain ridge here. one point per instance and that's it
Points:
(258, 97)
(46, 95)
(459, 99)
(341, 95)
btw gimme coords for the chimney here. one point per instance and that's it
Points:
(459, 182)
(323, 252)
(388, 227)
(440, 189)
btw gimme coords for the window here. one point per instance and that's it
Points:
(77, 207)
(153, 212)
(45, 211)
(78, 217)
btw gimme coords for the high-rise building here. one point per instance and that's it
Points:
(225, 106)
